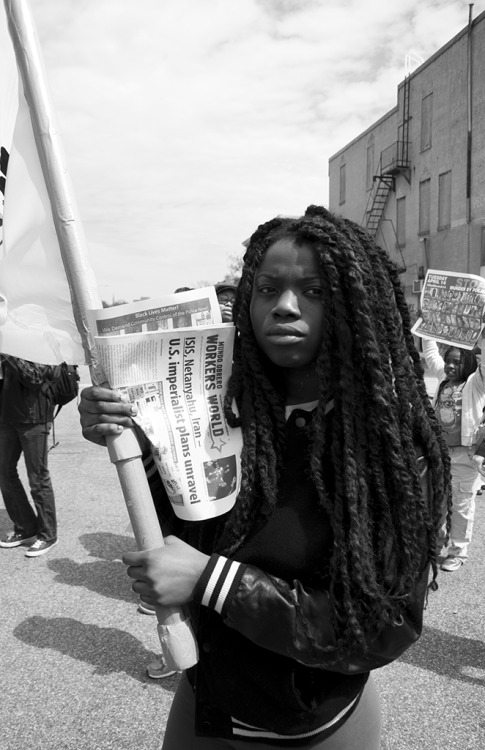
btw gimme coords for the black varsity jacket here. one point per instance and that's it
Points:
(261, 675)
(263, 671)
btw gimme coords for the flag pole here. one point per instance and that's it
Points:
(178, 643)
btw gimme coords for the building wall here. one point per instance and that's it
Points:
(354, 157)
(458, 244)
(478, 121)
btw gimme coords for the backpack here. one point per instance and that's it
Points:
(61, 385)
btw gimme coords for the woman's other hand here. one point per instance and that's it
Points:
(166, 576)
(103, 413)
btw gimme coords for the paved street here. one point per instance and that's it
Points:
(74, 649)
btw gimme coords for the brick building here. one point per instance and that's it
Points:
(416, 178)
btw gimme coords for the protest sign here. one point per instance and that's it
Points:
(48, 323)
(37, 320)
(452, 308)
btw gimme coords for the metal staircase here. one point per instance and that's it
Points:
(383, 183)
(394, 160)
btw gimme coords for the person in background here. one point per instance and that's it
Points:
(459, 403)
(478, 453)
(477, 351)
(157, 669)
(226, 296)
(26, 416)
(478, 354)
(333, 532)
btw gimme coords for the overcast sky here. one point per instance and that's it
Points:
(186, 123)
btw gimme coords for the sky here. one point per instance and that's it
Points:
(187, 123)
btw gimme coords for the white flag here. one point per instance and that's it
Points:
(36, 316)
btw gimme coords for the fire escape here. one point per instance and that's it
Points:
(394, 160)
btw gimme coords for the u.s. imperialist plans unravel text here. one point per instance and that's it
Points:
(177, 376)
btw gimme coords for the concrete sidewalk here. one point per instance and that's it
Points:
(74, 650)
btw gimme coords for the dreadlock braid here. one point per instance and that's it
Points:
(426, 426)
(370, 369)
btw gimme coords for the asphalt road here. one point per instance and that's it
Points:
(73, 648)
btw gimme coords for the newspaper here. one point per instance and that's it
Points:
(452, 308)
(177, 377)
(194, 308)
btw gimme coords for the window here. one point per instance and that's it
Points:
(424, 204)
(444, 200)
(426, 121)
(370, 167)
(342, 184)
(401, 221)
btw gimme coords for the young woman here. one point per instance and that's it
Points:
(295, 592)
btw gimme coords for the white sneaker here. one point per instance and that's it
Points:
(146, 609)
(158, 669)
(452, 563)
(40, 547)
(13, 539)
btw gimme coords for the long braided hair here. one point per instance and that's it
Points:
(369, 366)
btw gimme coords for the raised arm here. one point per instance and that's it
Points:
(433, 358)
